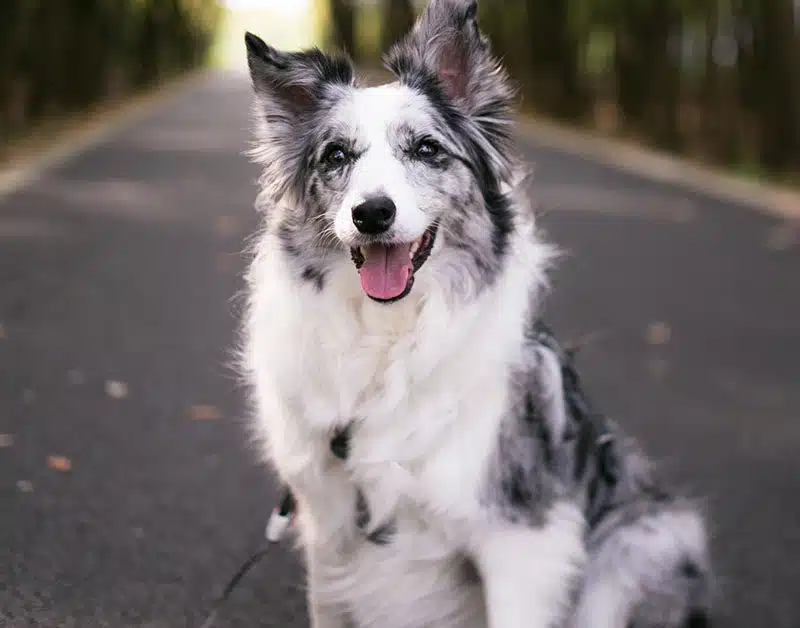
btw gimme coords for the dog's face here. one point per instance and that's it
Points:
(381, 175)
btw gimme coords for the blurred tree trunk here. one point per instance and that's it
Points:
(795, 72)
(15, 30)
(508, 31)
(665, 82)
(777, 74)
(343, 26)
(723, 110)
(398, 18)
(709, 87)
(492, 24)
(555, 67)
(60, 57)
(648, 77)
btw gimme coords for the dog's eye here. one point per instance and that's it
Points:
(334, 155)
(426, 149)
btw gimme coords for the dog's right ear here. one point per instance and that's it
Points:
(294, 81)
(290, 88)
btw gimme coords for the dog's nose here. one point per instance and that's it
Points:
(374, 216)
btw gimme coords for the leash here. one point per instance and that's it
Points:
(277, 526)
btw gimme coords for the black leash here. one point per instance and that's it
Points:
(277, 526)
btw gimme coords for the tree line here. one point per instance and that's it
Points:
(62, 56)
(715, 79)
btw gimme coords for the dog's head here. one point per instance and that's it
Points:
(396, 177)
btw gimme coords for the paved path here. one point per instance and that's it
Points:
(118, 279)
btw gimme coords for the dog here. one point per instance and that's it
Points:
(447, 468)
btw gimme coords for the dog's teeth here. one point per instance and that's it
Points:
(414, 248)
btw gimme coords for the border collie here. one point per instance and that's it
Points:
(446, 469)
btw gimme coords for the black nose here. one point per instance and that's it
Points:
(374, 216)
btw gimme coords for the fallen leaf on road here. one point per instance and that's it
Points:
(658, 334)
(116, 390)
(25, 486)
(6, 440)
(59, 463)
(204, 413)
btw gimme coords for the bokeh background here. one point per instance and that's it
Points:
(713, 79)
(664, 141)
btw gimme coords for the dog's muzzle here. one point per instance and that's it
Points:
(387, 268)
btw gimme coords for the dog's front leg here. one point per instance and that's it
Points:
(322, 615)
(322, 611)
(530, 573)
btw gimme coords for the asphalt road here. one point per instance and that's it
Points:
(119, 274)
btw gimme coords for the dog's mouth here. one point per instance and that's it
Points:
(387, 268)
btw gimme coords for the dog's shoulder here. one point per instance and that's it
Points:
(554, 445)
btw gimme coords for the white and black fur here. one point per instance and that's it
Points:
(446, 468)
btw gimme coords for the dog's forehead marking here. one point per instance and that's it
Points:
(374, 112)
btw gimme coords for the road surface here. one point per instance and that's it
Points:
(129, 492)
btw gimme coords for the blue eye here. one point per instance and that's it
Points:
(426, 149)
(334, 155)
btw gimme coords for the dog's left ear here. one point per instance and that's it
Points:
(447, 43)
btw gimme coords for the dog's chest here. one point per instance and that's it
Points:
(394, 553)
(402, 381)
(410, 584)
(402, 446)
(415, 471)
(417, 436)
(394, 561)
(422, 396)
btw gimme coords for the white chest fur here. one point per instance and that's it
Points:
(423, 385)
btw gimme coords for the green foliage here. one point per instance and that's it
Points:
(61, 56)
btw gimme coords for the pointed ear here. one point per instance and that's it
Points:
(446, 42)
(295, 81)
(446, 57)
(291, 89)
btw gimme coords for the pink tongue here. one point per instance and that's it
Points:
(386, 270)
